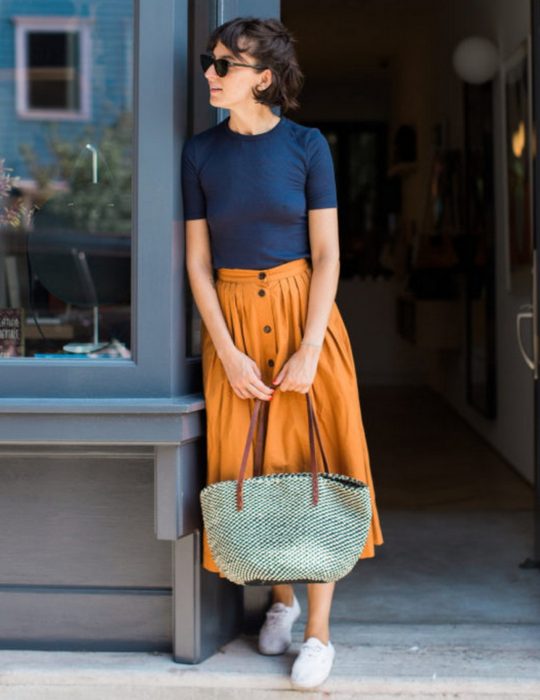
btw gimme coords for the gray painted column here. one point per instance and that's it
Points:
(207, 610)
(179, 477)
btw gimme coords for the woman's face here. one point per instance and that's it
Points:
(235, 88)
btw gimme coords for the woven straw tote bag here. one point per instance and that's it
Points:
(295, 527)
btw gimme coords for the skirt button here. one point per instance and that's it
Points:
(261, 292)
(271, 363)
(267, 329)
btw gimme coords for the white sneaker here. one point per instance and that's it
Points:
(313, 664)
(275, 634)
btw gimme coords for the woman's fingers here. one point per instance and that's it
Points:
(254, 383)
(253, 387)
(245, 378)
(259, 389)
(257, 393)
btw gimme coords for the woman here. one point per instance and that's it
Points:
(260, 209)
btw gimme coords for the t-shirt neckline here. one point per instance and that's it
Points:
(251, 137)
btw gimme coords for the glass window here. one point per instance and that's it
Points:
(52, 70)
(66, 179)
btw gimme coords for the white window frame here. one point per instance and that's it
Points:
(26, 24)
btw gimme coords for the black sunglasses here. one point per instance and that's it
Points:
(222, 64)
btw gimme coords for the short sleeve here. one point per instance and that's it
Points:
(321, 181)
(193, 197)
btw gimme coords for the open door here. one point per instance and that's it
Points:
(530, 311)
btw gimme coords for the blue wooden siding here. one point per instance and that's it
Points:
(111, 38)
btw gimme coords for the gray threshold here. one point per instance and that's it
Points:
(372, 661)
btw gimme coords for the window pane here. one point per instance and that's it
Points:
(53, 69)
(65, 179)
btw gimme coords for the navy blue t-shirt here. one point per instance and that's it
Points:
(255, 190)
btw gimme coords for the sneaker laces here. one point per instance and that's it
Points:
(276, 613)
(312, 648)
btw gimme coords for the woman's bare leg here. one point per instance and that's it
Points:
(283, 593)
(319, 605)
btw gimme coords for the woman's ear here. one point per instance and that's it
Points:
(267, 79)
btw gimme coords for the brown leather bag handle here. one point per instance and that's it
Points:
(261, 438)
(313, 431)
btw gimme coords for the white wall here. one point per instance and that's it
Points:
(381, 355)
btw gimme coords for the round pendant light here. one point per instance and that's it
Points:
(475, 60)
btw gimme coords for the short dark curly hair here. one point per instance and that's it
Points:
(271, 44)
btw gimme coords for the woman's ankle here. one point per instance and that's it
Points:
(322, 633)
(283, 593)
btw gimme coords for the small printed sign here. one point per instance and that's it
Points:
(12, 332)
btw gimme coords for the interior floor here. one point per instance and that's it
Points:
(424, 456)
(456, 518)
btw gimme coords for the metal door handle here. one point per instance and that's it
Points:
(519, 318)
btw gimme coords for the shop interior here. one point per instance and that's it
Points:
(426, 107)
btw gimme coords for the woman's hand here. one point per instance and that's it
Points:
(298, 373)
(245, 376)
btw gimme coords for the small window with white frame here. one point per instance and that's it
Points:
(52, 59)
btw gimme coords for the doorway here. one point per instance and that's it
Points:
(447, 401)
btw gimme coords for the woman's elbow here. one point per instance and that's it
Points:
(198, 270)
(329, 259)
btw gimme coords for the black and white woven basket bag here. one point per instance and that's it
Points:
(296, 527)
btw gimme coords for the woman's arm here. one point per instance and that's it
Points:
(243, 373)
(298, 372)
(201, 279)
(324, 244)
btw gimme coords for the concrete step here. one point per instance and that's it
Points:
(382, 661)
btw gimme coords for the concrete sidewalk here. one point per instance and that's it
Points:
(372, 661)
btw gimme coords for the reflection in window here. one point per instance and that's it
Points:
(65, 180)
(53, 61)
(53, 70)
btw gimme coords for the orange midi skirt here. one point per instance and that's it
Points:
(265, 312)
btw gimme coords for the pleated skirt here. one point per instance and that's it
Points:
(265, 312)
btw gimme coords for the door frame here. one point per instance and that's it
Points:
(535, 81)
